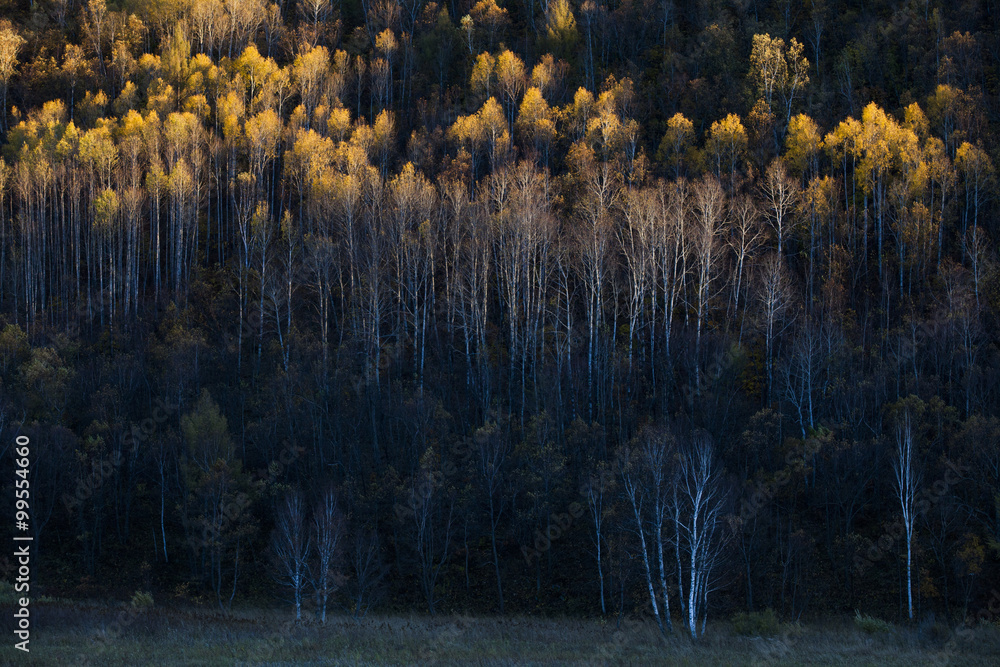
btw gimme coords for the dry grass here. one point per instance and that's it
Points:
(81, 634)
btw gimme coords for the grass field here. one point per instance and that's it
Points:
(65, 633)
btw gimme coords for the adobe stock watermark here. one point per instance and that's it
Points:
(105, 468)
(893, 532)
(22, 542)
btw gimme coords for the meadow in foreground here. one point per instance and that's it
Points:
(98, 634)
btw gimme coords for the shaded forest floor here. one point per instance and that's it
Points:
(65, 633)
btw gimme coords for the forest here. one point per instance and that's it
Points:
(625, 308)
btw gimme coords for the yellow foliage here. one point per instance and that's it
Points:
(802, 143)
(106, 207)
(338, 124)
(198, 105)
(973, 161)
(10, 44)
(916, 121)
(547, 75)
(386, 44)
(511, 75)
(560, 24)
(677, 144)
(534, 119)
(726, 142)
(776, 70)
(384, 129)
(578, 113)
(482, 74)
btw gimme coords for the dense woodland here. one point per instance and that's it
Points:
(633, 307)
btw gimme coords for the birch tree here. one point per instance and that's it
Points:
(635, 238)
(637, 494)
(291, 545)
(706, 234)
(328, 529)
(773, 296)
(780, 194)
(700, 502)
(907, 475)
